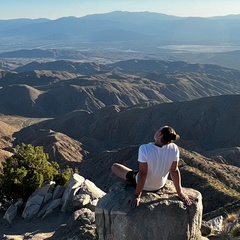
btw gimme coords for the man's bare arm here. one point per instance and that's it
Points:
(142, 174)
(176, 177)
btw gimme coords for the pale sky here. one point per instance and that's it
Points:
(53, 9)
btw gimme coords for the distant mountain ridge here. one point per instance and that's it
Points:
(86, 68)
(119, 36)
(13, 59)
(132, 66)
(161, 29)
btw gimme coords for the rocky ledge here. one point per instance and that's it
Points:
(161, 215)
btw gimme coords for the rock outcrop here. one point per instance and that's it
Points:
(78, 193)
(11, 212)
(160, 215)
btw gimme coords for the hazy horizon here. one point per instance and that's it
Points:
(54, 9)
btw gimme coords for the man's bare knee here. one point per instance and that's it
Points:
(114, 167)
(117, 168)
(120, 170)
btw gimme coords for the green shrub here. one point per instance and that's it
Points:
(27, 170)
(64, 175)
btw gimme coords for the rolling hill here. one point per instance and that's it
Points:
(89, 86)
(205, 124)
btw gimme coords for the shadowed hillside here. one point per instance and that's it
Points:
(19, 100)
(204, 124)
(60, 147)
(89, 86)
(225, 155)
(6, 140)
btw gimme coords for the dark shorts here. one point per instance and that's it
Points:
(131, 177)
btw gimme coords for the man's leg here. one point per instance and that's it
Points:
(120, 170)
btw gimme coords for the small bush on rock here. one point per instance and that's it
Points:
(64, 175)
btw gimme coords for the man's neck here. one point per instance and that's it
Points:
(159, 144)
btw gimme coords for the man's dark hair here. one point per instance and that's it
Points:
(169, 134)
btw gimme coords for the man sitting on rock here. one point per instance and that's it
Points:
(156, 161)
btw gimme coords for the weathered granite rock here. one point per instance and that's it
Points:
(58, 192)
(49, 208)
(85, 215)
(92, 205)
(78, 185)
(91, 189)
(35, 201)
(80, 226)
(46, 191)
(12, 211)
(216, 223)
(160, 215)
(71, 189)
(79, 201)
(32, 207)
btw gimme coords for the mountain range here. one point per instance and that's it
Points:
(73, 86)
(98, 95)
(89, 115)
(120, 36)
(90, 90)
(126, 26)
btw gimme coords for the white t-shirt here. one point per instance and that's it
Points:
(159, 161)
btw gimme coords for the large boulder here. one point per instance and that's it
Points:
(35, 201)
(71, 189)
(160, 215)
(78, 185)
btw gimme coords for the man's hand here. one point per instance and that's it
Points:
(186, 198)
(134, 201)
